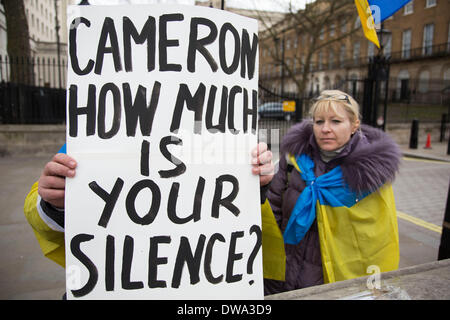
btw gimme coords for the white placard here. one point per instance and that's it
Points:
(161, 118)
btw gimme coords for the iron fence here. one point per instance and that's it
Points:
(273, 121)
(24, 104)
(35, 71)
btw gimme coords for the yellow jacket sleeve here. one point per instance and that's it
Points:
(50, 241)
(274, 256)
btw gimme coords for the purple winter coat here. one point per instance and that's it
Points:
(369, 160)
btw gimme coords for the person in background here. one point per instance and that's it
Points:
(332, 197)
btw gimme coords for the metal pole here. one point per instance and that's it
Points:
(444, 247)
(414, 136)
(282, 66)
(386, 87)
(58, 45)
(223, 5)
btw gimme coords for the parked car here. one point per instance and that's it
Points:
(274, 110)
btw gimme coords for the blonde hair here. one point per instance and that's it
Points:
(330, 100)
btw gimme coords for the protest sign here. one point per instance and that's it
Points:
(161, 118)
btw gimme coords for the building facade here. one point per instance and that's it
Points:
(416, 39)
(48, 41)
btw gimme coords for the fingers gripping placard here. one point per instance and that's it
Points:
(161, 118)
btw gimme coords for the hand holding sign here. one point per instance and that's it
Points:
(52, 182)
(262, 163)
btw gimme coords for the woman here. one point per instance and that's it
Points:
(332, 198)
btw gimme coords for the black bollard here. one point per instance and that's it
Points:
(444, 247)
(448, 146)
(414, 138)
(443, 127)
(298, 110)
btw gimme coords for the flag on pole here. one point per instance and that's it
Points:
(373, 12)
(386, 8)
(367, 22)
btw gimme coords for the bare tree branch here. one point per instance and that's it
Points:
(310, 25)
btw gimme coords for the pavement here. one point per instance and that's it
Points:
(26, 274)
(438, 152)
(428, 281)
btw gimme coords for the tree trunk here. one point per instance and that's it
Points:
(19, 49)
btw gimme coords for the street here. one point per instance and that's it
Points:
(421, 193)
(420, 189)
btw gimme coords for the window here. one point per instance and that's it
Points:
(343, 26)
(406, 44)
(409, 8)
(448, 38)
(357, 24)
(402, 91)
(356, 51)
(342, 55)
(370, 49)
(331, 60)
(388, 45)
(322, 33)
(319, 59)
(424, 78)
(332, 29)
(430, 3)
(427, 45)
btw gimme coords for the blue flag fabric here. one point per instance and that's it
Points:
(329, 189)
(386, 8)
(63, 149)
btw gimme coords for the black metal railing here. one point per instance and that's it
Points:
(24, 104)
(38, 71)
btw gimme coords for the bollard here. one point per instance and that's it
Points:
(444, 247)
(443, 127)
(428, 143)
(448, 146)
(298, 110)
(414, 137)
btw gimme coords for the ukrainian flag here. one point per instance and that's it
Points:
(356, 230)
(383, 9)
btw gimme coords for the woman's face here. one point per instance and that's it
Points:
(333, 130)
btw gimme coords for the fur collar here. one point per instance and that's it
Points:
(369, 160)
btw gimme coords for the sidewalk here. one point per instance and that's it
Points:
(428, 281)
(437, 152)
(24, 272)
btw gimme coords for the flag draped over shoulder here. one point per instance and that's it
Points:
(356, 231)
(383, 9)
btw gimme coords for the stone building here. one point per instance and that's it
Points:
(416, 38)
(48, 41)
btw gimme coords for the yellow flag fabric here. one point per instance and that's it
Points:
(274, 256)
(352, 239)
(50, 241)
(367, 22)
